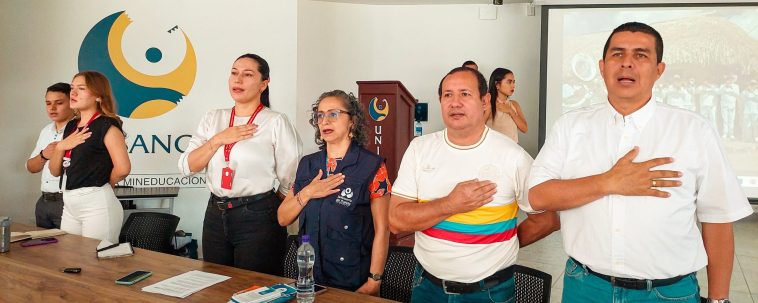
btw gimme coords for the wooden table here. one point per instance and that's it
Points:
(32, 274)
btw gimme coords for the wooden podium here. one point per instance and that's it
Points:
(389, 109)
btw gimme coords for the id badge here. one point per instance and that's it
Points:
(227, 175)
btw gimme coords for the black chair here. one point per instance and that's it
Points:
(148, 230)
(398, 274)
(290, 257)
(532, 286)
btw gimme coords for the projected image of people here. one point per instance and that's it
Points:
(712, 67)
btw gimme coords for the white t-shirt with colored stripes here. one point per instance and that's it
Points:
(467, 247)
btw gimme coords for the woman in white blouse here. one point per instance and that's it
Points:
(244, 150)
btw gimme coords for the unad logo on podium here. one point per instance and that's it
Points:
(377, 111)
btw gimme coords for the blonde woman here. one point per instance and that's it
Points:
(92, 158)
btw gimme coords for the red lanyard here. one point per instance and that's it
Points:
(68, 152)
(228, 147)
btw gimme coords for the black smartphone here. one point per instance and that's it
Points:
(134, 277)
(40, 241)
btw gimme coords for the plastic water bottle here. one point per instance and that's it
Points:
(305, 259)
(417, 129)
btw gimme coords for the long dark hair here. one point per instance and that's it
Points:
(359, 130)
(497, 75)
(264, 70)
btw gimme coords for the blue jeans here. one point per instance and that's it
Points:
(581, 286)
(426, 291)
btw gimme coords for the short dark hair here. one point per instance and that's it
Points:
(482, 83)
(636, 27)
(60, 87)
(469, 62)
(265, 70)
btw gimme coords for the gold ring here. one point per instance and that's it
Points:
(653, 183)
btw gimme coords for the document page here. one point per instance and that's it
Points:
(185, 284)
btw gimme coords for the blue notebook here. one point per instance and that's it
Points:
(277, 293)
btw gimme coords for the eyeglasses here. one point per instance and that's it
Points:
(331, 115)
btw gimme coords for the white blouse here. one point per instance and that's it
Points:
(271, 154)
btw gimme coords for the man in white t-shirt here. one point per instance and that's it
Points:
(631, 178)
(460, 190)
(50, 204)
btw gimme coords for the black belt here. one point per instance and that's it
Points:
(52, 196)
(460, 288)
(224, 203)
(630, 283)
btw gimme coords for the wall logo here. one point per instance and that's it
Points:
(377, 111)
(138, 95)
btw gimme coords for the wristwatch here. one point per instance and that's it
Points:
(375, 277)
(709, 300)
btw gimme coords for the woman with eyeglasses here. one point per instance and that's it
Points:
(341, 195)
(244, 150)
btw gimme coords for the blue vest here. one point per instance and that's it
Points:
(340, 226)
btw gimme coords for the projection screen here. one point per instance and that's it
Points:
(711, 53)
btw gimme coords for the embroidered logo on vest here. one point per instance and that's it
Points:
(346, 197)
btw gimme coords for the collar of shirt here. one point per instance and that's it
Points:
(456, 146)
(56, 133)
(639, 118)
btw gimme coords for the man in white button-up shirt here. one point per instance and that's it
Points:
(49, 208)
(632, 178)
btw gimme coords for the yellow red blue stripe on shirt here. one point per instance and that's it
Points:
(483, 225)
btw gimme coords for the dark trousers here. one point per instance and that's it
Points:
(49, 210)
(247, 236)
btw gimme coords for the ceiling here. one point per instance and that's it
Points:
(421, 2)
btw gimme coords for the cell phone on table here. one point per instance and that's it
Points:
(40, 241)
(134, 277)
(317, 289)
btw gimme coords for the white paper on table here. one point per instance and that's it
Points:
(185, 284)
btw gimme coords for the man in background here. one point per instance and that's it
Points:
(470, 64)
(49, 206)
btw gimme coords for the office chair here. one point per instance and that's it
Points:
(290, 257)
(148, 230)
(532, 286)
(398, 274)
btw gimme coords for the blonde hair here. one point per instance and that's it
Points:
(99, 85)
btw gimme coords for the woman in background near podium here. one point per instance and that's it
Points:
(244, 150)
(505, 114)
(341, 196)
(92, 158)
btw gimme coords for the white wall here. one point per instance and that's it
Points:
(40, 44)
(339, 44)
(312, 47)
